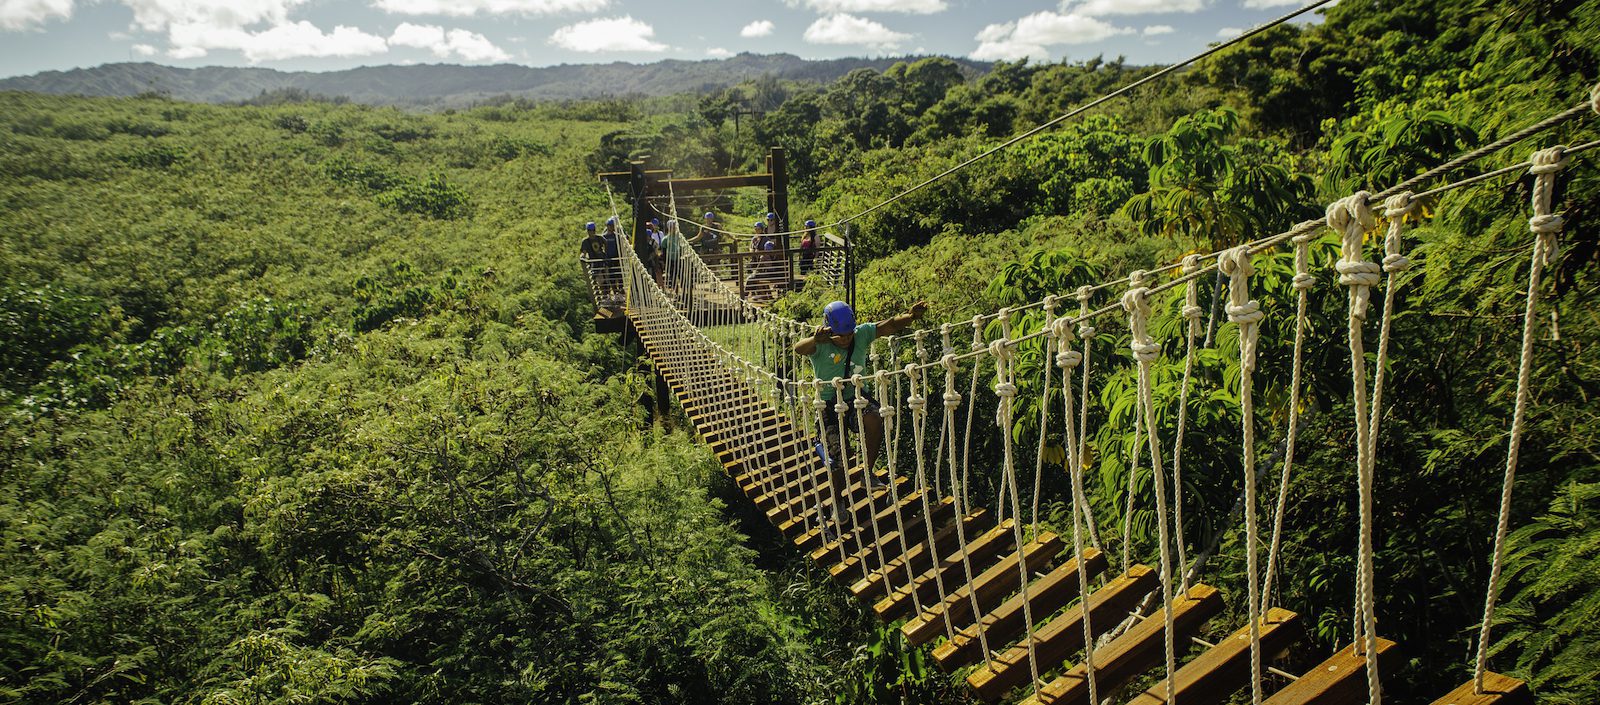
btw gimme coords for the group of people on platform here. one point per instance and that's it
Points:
(765, 271)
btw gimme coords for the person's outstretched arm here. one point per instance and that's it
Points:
(898, 323)
(808, 346)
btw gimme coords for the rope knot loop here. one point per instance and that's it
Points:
(1069, 359)
(1594, 98)
(1547, 224)
(952, 400)
(1061, 330)
(1005, 390)
(1191, 263)
(1084, 292)
(1400, 206)
(1550, 160)
(1001, 350)
(1136, 302)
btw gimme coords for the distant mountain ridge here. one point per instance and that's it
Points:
(446, 85)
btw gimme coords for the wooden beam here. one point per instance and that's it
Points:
(1497, 690)
(718, 182)
(980, 552)
(990, 588)
(917, 557)
(1139, 649)
(1214, 676)
(625, 176)
(1340, 680)
(1060, 638)
(1046, 595)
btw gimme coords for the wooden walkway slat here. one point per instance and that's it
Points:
(981, 551)
(878, 507)
(989, 587)
(1497, 690)
(917, 557)
(861, 563)
(1139, 649)
(1057, 639)
(1340, 680)
(1219, 672)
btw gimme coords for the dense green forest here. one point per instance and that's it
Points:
(300, 402)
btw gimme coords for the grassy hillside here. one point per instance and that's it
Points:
(301, 405)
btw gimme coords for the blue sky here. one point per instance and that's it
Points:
(321, 35)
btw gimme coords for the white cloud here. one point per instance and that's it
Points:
(758, 28)
(1264, 4)
(1032, 36)
(159, 15)
(1229, 32)
(144, 50)
(718, 53)
(469, 46)
(468, 8)
(1098, 8)
(290, 40)
(849, 29)
(604, 35)
(915, 7)
(28, 14)
(1156, 29)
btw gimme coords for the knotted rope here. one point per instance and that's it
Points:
(918, 403)
(1136, 302)
(1303, 281)
(1067, 359)
(1352, 218)
(952, 402)
(1192, 313)
(1545, 225)
(1005, 390)
(1086, 333)
(1245, 312)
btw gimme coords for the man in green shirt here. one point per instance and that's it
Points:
(839, 349)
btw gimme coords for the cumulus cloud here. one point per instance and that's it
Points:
(758, 28)
(1229, 32)
(469, 46)
(1265, 4)
(1098, 8)
(291, 40)
(611, 34)
(1031, 36)
(849, 29)
(144, 50)
(28, 14)
(1156, 29)
(160, 15)
(916, 7)
(718, 53)
(468, 8)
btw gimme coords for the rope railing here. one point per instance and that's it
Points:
(691, 313)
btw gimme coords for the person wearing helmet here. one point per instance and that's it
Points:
(837, 350)
(611, 238)
(707, 239)
(759, 237)
(773, 226)
(808, 247)
(593, 247)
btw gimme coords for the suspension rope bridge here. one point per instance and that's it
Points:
(1031, 614)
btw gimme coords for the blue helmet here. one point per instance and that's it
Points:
(839, 318)
(772, 216)
(589, 226)
(611, 221)
(811, 223)
(709, 215)
(655, 221)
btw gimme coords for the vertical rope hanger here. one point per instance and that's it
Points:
(1067, 359)
(1044, 412)
(1192, 313)
(891, 423)
(1352, 218)
(1303, 281)
(1136, 280)
(1005, 390)
(972, 410)
(1246, 313)
(1136, 302)
(860, 403)
(839, 408)
(1546, 226)
(1086, 333)
(952, 404)
(918, 403)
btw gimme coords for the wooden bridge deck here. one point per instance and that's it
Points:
(898, 574)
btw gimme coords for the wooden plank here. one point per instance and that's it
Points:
(718, 182)
(824, 552)
(917, 558)
(1497, 690)
(1340, 680)
(813, 511)
(1139, 649)
(981, 551)
(802, 505)
(1057, 639)
(990, 587)
(1219, 672)
(861, 562)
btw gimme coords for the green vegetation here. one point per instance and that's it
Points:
(299, 400)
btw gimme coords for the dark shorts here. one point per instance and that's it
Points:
(830, 418)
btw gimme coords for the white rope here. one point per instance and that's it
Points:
(1067, 359)
(1546, 226)
(1044, 415)
(848, 512)
(1192, 313)
(890, 416)
(1246, 313)
(1136, 302)
(1139, 428)
(1005, 390)
(918, 403)
(1303, 281)
(860, 402)
(1352, 218)
(952, 402)
(1086, 333)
